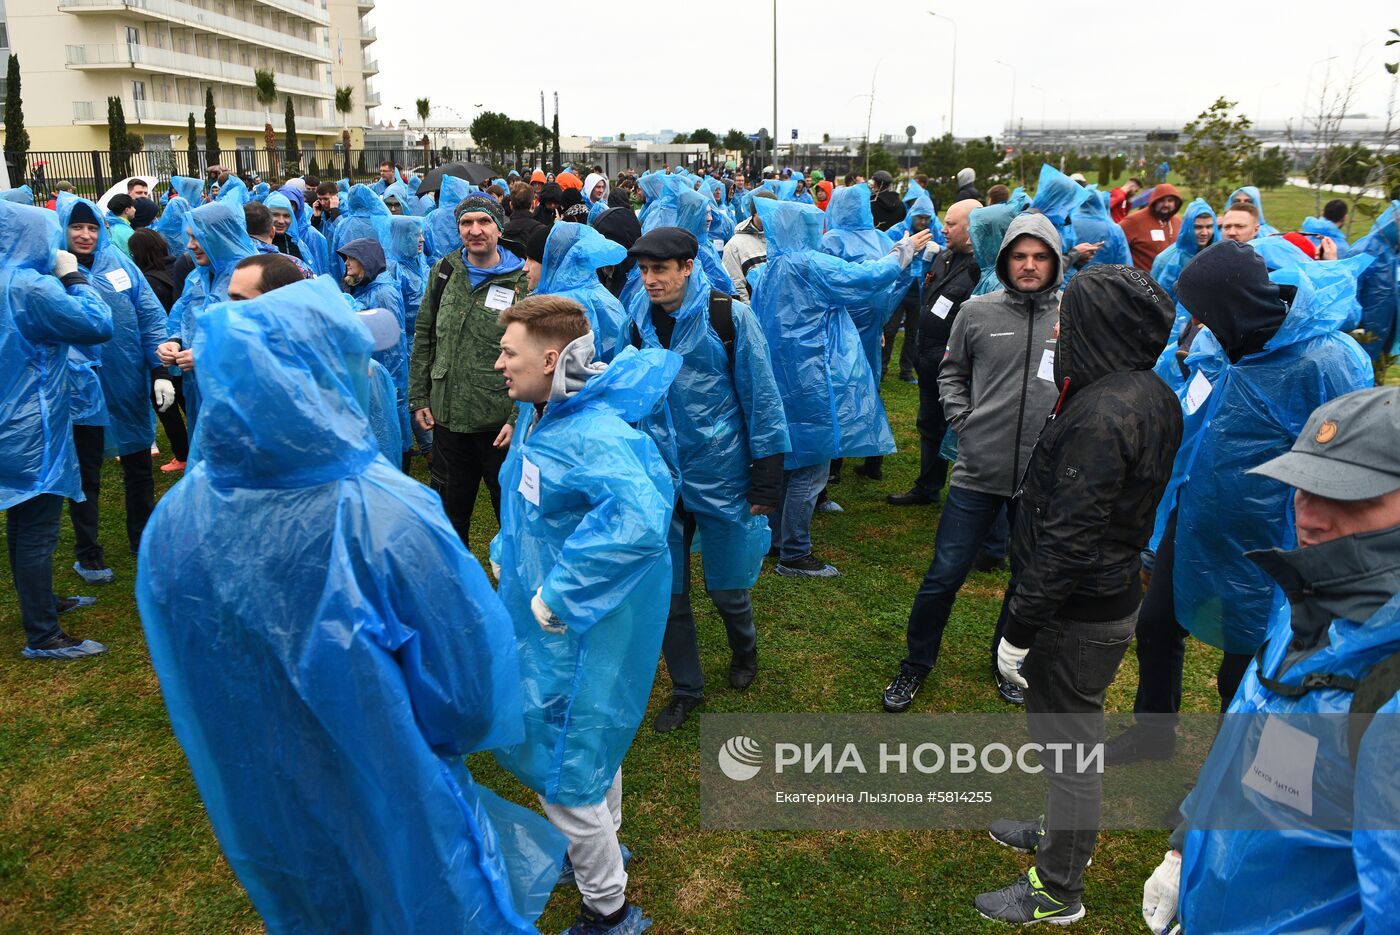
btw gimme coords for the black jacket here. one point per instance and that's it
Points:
(967, 191)
(887, 210)
(1090, 492)
(953, 276)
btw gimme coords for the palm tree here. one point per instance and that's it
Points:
(425, 108)
(266, 92)
(344, 102)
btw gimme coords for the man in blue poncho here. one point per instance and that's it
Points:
(129, 366)
(829, 392)
(1320, 852)
(371, 283)
(725, 429)
(564, 259)
(1198, 231)
(585, 574)
(217, 241)
(1329, 226)
(381, 657)
(1271, 356)
(1249, 195)
(46, 304)
(1378, 286)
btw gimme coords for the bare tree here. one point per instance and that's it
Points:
(1315, 139)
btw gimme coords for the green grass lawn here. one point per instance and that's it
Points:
(101, 829)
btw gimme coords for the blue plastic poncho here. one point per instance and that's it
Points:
(23, 195)
(1376, 288)
(1284, 871)
(312, 256)
(1057, 196)
(596, 544)
(410, 267)
(661, 192)
(379, 288)
(410, 202)
(171, 224)
(388, 421)
(363, 214)
(327, 733)
(718, 420)
(1254, 411)
(692, 214)
(234, 193)
(440, 237)
(913, 193)
(1167, 266)
(260, 192)
(343, 186)
(219, 230)
(786, 189)
(1092, 223)
(721, 227)
(88, 407)
(1318, 228)
(190, 189)
(38, 319)
(138, 328)
(829, 392)
(921, 208)
(1279, 253)
(1265, 229)
(573, 254)
(986, 229)
(851, 235)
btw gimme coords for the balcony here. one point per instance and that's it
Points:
(367, 34)
(183, 14)
(314, 13)
(169, 113)
(372, 99)
(163, 61)
(364, 6)
(370, 68)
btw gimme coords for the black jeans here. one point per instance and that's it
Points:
(461, 462)
(907, 315)
(1070, 666)
(138, 487)
(932, 426)
(31, 534)
(968, 517)
(1161, 645)
(173, 420)
(680, 645)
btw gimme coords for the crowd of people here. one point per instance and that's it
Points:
(1162, 417)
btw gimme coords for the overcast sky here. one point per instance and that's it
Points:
(639, 67)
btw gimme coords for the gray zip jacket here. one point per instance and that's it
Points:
(989, 385)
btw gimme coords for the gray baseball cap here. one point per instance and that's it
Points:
(1349, 450)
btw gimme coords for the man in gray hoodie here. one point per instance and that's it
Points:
(997, 387)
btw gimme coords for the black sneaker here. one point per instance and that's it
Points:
(1010, 692)
(675, 713)
(1139, 743)
(912, 498)
(1023, 836)
(742, 669)
(807, 566)
(1026, 902)
(899, 694)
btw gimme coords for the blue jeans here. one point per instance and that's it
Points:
(792, 523)
(31, 532)
(967, 520)
(680, 645)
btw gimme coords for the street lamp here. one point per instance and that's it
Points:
(1013, 92)
(953, 82)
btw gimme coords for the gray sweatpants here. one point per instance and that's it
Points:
(593, 847)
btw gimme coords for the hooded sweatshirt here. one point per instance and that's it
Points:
(996, 382)
(1147, 236)
(1102, 460)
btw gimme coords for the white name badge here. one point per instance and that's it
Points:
(1158, 234)
(119, 279)
(529, 481)
(717, 244)
(499, 298)
(1197, 392)
(1047, 366)
(943, 306)
(1282, 770)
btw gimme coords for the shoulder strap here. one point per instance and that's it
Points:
(722, 321)
(1376, 687)
(444, 273)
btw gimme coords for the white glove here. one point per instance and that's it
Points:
(164, 392)
(1009, 659)
(495, 569)
(64, 263)
(931, 251)
(1160, 892)
(543, 615)
(904, 248)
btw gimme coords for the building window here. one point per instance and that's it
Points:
(133, 35)
(4, 35)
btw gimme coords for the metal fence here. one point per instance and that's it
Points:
(91, 172)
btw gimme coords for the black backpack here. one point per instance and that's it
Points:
(721, 320)
(1374, 688)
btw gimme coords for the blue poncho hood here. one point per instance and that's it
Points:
(1265, 228)
(219, 230)
(573, 253)
(693, 214)
(190, 189)
(234, 192)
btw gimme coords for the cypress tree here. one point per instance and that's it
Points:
(16, 136)
(211, 128)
